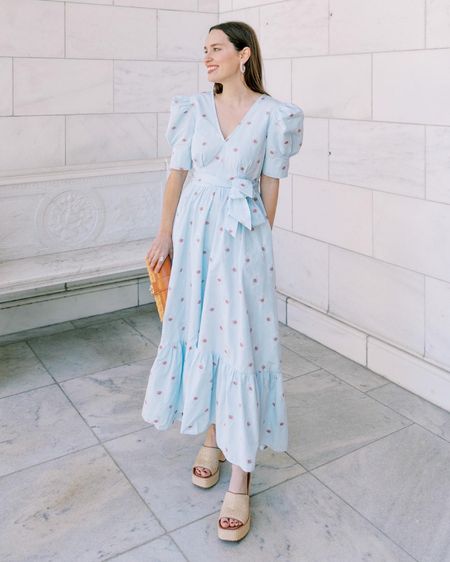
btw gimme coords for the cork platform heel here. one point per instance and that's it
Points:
(207, 457)
(236, 506)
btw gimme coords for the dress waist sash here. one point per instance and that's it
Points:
(244, 203)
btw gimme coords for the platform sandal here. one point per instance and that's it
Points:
(207, 457)
(237, 506)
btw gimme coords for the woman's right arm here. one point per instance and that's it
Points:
(162, 244)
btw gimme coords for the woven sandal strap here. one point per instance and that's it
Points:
(236, 506)
(208, 457)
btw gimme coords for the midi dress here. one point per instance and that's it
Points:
(218, 359)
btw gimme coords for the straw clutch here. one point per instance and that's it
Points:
(159, 283)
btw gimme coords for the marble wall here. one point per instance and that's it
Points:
(85, 88)
(91, 81)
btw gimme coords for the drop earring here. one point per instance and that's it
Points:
(242, 67)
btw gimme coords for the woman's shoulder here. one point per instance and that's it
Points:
(281, 109)
(182, 99)
(189, 100)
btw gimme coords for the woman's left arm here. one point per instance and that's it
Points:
(269, 195)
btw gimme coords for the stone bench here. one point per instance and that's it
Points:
(73, 241)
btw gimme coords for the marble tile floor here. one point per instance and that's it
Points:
(83, 477)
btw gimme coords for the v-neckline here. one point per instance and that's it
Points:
(237, 126)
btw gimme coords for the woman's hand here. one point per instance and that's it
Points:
(161, 247)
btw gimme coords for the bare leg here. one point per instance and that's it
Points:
(238, 484)
(210, 441)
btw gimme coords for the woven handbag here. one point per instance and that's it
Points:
(159, 283)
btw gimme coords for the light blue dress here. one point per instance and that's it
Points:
(218, 359)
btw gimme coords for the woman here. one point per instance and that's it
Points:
(218, 362)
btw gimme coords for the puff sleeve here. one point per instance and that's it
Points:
(284, 139)
(180, 129)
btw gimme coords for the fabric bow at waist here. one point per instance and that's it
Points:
(244, 204)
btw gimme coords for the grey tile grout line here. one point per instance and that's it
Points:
(166, 534)
(99, 443)
(376, 440)
(125, 319)
(102, 443)
(156, 344)
(308, 471)
(22, 338)
(290, 378)
(27, 390)
(367, 392)
(149, 427)
(128, 363)
(101, 370)
(346, 323)
(169, 533)
(252, 494)
(59, 382)
(371, 523)
(125, 475)
(120, 312)
(311, 472)
(411, 420)
(40, 463)
(364, 392)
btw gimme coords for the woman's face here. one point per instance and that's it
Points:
(220, 57)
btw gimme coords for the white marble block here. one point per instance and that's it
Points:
(30, 28)
(333, 86)
(31, 142)
(383, 156)
(364, 26)
(283, 215)
(331, 212)
(437, 321)
(293, 29)
(301, 267)
(412, 233)
(6, 95)
(181, 35)
(99, 32)
(438, 164)
(148, 86)
(381, 299)
(58, 86)
(312, 159)
(412, 86)
(109, 138)
(438, 23)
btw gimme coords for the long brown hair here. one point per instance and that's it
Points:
(243, 35)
